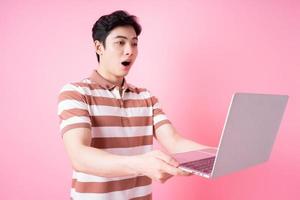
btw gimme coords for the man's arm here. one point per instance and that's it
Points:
(173, 142)
(156, 165)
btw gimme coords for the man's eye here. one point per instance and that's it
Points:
(134, 44)
(121, 42)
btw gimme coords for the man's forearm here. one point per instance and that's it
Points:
(100, 163)
(155, 164)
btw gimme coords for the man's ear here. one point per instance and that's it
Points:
(99, 48)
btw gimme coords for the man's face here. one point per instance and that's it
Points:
(119, 53)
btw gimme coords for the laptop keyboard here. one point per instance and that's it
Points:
(203, 165)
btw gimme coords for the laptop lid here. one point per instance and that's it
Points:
(249, 133)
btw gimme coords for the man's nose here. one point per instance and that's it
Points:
(128, 50)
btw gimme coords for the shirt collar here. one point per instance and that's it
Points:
(96, 77)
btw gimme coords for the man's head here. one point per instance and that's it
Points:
(116, 36)
(106, 23)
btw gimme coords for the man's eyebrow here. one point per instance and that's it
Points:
(123, 37)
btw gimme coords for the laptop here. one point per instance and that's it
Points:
(247, 138)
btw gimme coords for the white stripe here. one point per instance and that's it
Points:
(99, 110)
(71, 104)
(131, 150)
(99, 93)
(159, 118)
(104, 93)
(86, 81)
(125, 194)
(74, 120)
(156, 106)
(122, 131)
(83, 177)
(109, 94)
(69, 87)
(87, 91)
(141, 95)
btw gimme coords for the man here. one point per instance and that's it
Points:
(108, 125)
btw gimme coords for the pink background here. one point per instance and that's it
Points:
(192, 54)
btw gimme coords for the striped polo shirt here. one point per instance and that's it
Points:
(122, 124)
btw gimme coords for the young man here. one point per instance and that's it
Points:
(108, 125)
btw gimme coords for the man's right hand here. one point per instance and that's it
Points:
(157, 165)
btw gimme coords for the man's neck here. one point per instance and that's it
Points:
(118, 81)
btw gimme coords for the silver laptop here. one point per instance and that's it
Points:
(248, 135)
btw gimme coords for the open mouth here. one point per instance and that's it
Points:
(125, 63)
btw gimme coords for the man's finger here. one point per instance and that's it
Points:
(168, 159)
(170, 169)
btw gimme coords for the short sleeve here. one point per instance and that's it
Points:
(73, 109)
(159, 117)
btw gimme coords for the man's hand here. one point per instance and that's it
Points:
(158, 166)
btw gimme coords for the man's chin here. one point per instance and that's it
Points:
(122, 75)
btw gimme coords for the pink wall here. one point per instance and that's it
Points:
(193, 56)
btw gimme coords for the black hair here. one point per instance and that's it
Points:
(106, 23)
